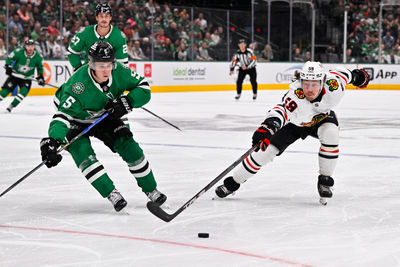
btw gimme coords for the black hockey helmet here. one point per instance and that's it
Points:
(101, 52)
(103, 8)
(29, 42)
(242, 41)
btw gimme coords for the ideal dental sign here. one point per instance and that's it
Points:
(189, 73)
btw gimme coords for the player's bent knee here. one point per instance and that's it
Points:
(328, 134)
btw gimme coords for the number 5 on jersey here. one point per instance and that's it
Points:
(68, 102)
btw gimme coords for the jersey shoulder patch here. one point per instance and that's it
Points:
(299, 93)
(78, 88)
(332, 84)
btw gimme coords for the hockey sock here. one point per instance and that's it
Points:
(97, 176)
(138, 165)
(143, 174)
(18, 98)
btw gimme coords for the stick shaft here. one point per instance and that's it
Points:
(59, 151)
(155, 115)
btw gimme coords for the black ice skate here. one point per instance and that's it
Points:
(324, 188)
(237, 96)
(9, 108)
(254, 96)
(229, 187)
(156, 197)
(117, 200)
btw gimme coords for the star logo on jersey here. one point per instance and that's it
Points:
(333, 84)
(299, 93)
(78, 88)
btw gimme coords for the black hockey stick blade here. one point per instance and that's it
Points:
(160, 213)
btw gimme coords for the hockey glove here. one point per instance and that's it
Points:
(48, 148)
(360, 78)
(263, 134)
(119, 107)
(9, 70)
(40, 80)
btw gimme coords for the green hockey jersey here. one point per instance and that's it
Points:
(81, 99)
(24, 65)
(82, 41)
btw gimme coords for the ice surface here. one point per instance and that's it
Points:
(55, 218)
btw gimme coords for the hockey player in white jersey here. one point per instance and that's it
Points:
(305, 110)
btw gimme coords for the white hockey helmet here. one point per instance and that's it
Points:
(312, 70)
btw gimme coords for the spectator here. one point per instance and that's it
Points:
(267, 54)
(388, 40)
(42, 47)
(215, 37)
(202, 22)
(194, 54)
(16, 22)
(36, 31)
(146, 30)
(349, 56)
(181, 52)
(203, 52)
(135, 52)
(23, 13)
(172, 32)
(3, 51)
(298, 56)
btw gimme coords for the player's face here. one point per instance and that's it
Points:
(311, 89)
(103, 71)
(103, 19)
(29, 49)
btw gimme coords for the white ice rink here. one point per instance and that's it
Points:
(55, 217)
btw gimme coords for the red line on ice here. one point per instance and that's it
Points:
(157, 241)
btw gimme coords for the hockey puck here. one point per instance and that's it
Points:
(203, 235)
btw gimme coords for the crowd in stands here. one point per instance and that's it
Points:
(363, 29)
(171, 36)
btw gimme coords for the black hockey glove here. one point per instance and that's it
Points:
(9, 70)
(48, 148)
(360, 78)
(263, 134)
(40, 80)
(119, 107)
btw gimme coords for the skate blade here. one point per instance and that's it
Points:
(323, 201)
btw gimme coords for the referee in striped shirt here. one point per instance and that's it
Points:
(246, 60)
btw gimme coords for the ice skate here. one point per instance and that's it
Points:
(156, 197)
(237, 96)
(254, 96)
(228, 188)
(9, 108)
(324, 188)
(117, 200)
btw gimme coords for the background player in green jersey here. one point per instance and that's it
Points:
(102, 31)
(94, 88)
(20, 68)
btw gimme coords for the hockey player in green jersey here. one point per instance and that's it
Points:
(20, 68)
(93, 89)
(102, 31)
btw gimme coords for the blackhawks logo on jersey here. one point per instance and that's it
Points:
(78, 88)
(299, 92)
(333, 84)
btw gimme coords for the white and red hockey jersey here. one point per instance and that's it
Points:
(296, 109)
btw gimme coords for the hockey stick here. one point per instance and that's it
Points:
(176, 127)
(32, 79)
(160, 213)
(59, 151)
